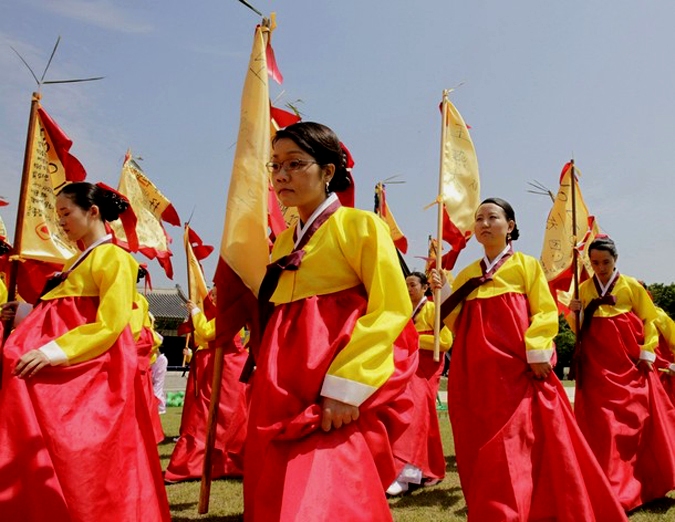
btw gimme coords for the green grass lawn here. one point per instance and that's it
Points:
(443, 502)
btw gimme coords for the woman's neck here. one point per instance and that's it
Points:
(492, 251)
(97, 232)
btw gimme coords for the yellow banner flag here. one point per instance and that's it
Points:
(151, 208)
(42, 238)
(244, 247)
(197, 288)
(460, 183)
(561, 237)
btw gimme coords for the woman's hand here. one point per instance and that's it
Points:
(575, 305)
(541, 370)
(335, 414)
(30, 363)
(8, 310)
(645, 366)
(191, 306)
(437, 279)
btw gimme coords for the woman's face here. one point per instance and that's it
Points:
(603, 263)
(415, 288)
(75, 222)
(491, 225)
(303, 187)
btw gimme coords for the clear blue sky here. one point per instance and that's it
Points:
(543, 82)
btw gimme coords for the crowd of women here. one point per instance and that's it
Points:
(340, 410)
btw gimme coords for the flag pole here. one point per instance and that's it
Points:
(575, 264)
(437, 292)
(205, 489)
(21, 209)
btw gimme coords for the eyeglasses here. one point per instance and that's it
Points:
(291, 165)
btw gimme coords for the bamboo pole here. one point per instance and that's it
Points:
(205, 488)
(21, 210)
(575, 264)
(437, 292)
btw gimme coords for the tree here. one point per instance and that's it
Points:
(564, 343)
(664, 296)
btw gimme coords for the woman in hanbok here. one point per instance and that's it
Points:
(76, 440)
(619, 402)
(420, 449)
(520, 455)
(337, 351)
(147, 344)
(227, 459)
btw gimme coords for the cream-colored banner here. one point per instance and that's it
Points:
(559, 238)
(459, 172)
(148, 204)
(42, 237)
(244, 245)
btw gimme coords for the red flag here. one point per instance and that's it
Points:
(201, 251)
(281, 118)
(62, 143)
(272, 67)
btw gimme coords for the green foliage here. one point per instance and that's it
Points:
(664, 296)
(564, 343)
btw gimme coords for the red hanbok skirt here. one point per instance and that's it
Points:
(294, 470)
(664, 358)
(626, 416)
(187, 459)
(76, 442)
(421, 444)
(144, 347)
(520, 454)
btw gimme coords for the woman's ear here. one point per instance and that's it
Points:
(95, 211)
(328, 172)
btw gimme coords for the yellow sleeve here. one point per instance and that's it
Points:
(111, 272)
(543, 313)
(205, 329)
(367, 361)
(425, 321)
(3, 292)
(644, 308)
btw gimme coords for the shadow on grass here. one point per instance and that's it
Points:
(450, 464)
(659, 506)
(429, 497)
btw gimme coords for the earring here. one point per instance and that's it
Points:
(508, 237)
(327, 189)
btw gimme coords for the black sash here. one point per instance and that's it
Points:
(269, 283)
(589, 312)
(459, 295)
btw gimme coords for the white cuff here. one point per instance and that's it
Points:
(195, 311)
(446, 290)
(646, 355)
(671, 367)
(54, 353)
(539, 356)
(345, 390)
